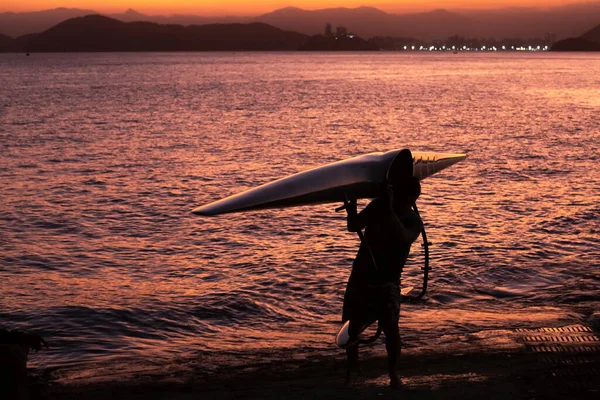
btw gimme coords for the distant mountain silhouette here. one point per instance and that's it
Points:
(368, 22)
(18, 24)
(98, 33)
(576, 44)
(6, 42)
(564, 21)
(593, 34)
(132, 16)
(528, 22)
(589, 41)
(178, 19)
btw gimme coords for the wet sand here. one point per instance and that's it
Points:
(546, 363)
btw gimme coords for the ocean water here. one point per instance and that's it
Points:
(102, 157)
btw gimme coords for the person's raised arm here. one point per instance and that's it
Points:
(357, 221)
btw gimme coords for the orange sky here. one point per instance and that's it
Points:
(245, 7)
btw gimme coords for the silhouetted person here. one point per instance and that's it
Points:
(373, 290)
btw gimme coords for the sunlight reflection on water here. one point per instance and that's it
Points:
(104, 155)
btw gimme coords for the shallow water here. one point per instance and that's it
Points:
(102, 157)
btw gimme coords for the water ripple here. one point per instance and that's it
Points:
(102, 163)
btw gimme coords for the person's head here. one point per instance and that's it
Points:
(401, 166)
(406, 190)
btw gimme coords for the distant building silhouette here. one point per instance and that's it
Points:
(549, 39)
(328, 30)
(341, 31)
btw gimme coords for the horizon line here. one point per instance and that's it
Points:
(379, 8)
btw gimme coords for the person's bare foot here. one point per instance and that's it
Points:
(351, 375)
(395, 382)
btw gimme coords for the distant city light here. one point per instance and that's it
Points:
(474, 47)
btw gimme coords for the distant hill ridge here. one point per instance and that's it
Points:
(18, 24)
(589, 41)
(95, 33)
(593, 34)
(5, 42)
(98, 33)
(564, 21)
(369, 22)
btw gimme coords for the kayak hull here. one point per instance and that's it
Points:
(357, 177)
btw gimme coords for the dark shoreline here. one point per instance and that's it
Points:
(488, 364)
(482, 375)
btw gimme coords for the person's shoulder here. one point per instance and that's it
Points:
(413, 214)
(409, 218)
(377, 205)
(413, 218)
(374, 210)
(377, 202)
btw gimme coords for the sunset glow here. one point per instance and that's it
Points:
(227, 198)
(240, 7)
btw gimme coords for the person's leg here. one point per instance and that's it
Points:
(390, 314)
(393, 347)
(352, 355)
(355, 307)
(352, 370)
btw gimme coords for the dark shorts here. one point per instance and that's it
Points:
(365, 303)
